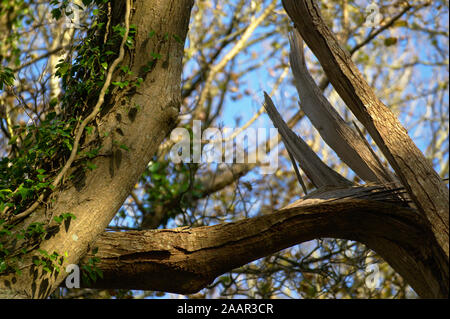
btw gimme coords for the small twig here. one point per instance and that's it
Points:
(139, 204)
(43, 56)
(21, 101)
(384, 27)
(260, 111)
(27, 211)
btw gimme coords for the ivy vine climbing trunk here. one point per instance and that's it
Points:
(131, 126)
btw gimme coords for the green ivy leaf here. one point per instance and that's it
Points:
(155, 55)
(56, 14)
(390, 41)
(91, 165)
(58, 219)
(123, 146)
(24, 192)
(177, 38)
(6, 76)
(120, 84)
(89, 129)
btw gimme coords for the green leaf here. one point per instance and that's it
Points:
(13, 139)
(24, 192)
(123, 146)
(6, 76)
(390, 41)
(91, 165)
(119, 29)
(120, 84)
(177, 38)
(61, 69)
(155, 55)
(56, 14)
(89, 129)
(129, 42)
(154, 167)
(68, 216)
(58, 219)
(401, 23)
(68, 144)
(53, 102)
(43, 252)
(139, 82)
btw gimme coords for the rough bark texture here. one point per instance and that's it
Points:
(94, 197)
(184, 260)
(348, 145)
(424, 185)
(317, 171)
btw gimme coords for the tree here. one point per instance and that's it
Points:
(69, 172)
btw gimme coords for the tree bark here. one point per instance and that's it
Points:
(140, 121)
(416, 173)
(184, 260)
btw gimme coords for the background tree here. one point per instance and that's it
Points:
(234, 51)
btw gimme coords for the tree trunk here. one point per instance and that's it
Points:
(140, 122)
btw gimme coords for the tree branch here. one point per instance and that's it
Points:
(347, 144)
(416, 173)
(94, 196)
(184, 260)
(317, 171)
